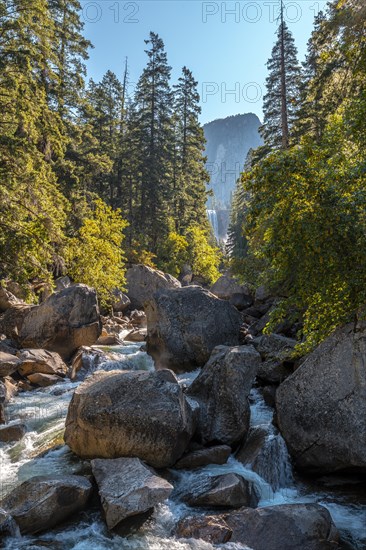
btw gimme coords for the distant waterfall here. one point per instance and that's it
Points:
(212, 216)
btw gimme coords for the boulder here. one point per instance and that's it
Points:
(11, 322)
(276, 351)
(218, 454)
(223, 491)
(109, 340)
(62, 282)
(44, 501)
(144, 281)
(321, 408)
(222, 390)
(127, 488)
(12, 432)
(138, 318)
(228, 288)
(136, 335)
(44, 380)
(121, 302)
(285, 527)
(7, 300)
(41, 361)
(184, 325)
(3, 395)
(66, 321)
(130, 414)
(8, 364)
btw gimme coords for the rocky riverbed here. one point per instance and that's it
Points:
(198, 459)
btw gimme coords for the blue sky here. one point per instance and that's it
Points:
(225, 44)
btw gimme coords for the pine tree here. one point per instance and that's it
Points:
(153, 110)
(190, 175)
(282, 97)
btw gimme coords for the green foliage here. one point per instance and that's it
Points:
(173, 254)
(203, 257)
(95, 256)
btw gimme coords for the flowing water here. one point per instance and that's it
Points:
(44, 413)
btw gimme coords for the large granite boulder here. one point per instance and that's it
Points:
(321, 408)
(43, 502)
(184, 325)
(218, 454)
(285, 527)
(131, 414)
(66, 321)
(128, 488)
(222, 390)
(143, 281)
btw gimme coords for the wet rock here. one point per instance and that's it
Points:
(44, 380)
(128, 488)
(41, 361)
(8, 527)
(186, 324)
(265, 453)
(218, 454)
(109, 340)
(8, 364)
(66, 321)
(143, 281)
(322, 405)
(130, 414)
(223, 491)
(285, 527)
(138, 335)
(222, 390)
(12, 432)
(43, 502)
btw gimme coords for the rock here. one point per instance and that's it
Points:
(12, 320)
(121, 302)
(285, 527)
(222, 390)
(321, 408)
(223, 491)
(43, 502)
(8, 364)
(41, 361)
(241, 301)
(271, 345)
(136, 335)
(3, 399)
(138, 318)
(66, 321)
(226, 286)
(127, 488)
(7, 300)
(265, 453)
(212, 455)
(8, 346)
(186, 324)
(143, 282)
(62, 282)
(122, 414)
(12, 432)
(262, 294)
(8, 527)
(212, 529)
(44, 380)
(109, 340)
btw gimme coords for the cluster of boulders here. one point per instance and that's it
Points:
(133, 425)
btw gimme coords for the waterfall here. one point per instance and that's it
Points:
(212, 216)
